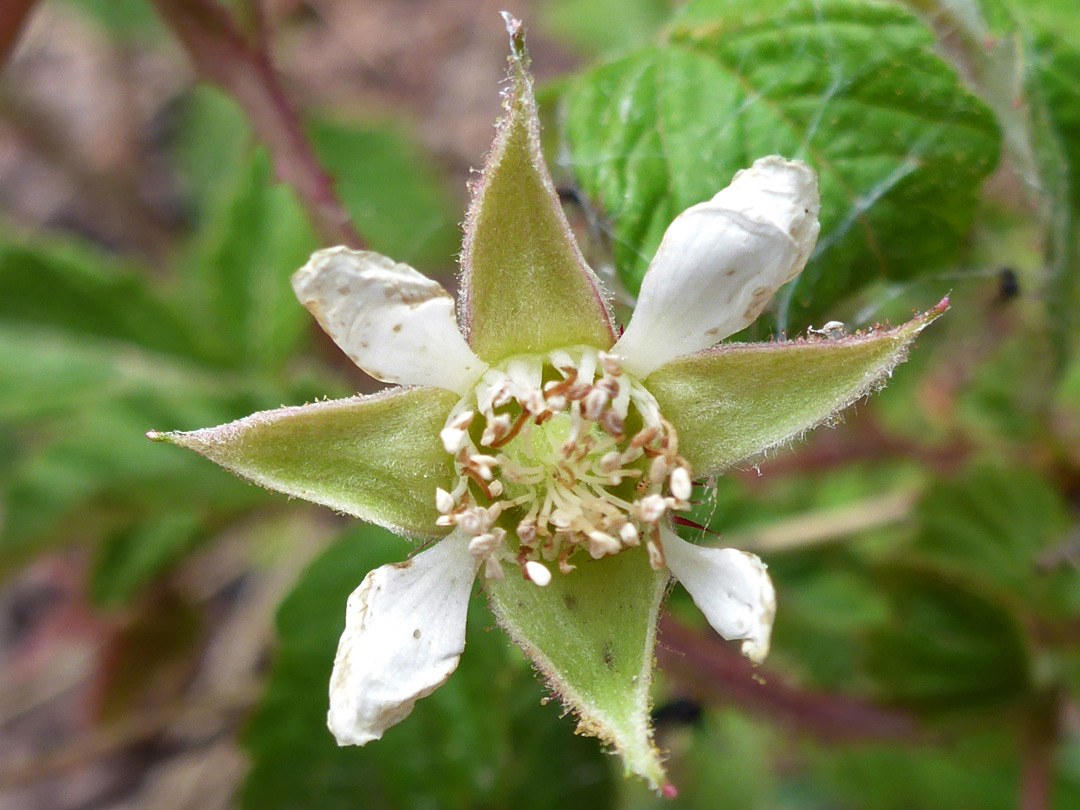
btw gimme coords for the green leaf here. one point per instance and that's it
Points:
(75, 290)
(131, 558)
(737, 401)
(396, 199)
(591, 634)
(242, 262)
(949, 646)
(90, 356)
(526, 287)
(851, 87)
(993, 525)
(480, 741)
(378, 458)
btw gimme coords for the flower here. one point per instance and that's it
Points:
(547, 452)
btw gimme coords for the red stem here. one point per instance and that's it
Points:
(714, 670)
(224, 57)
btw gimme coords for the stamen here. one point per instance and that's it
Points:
(553, 468)
(444, 501)
(537, 573)
(681, 486)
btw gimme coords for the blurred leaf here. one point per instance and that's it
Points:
(77, 291)
(949, 646)
(993, 524)
(90, 358)
(130, 558)
(852, 87)
(481, 741)
(977, 772)
(125, 19)
(241, 267)
(211, 148)
(394, 196)
(1004, 398)
(597, 26)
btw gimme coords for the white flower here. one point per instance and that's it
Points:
(546, 454)
(547, 474)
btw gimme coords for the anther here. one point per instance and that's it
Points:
(651, 508)
(644, 437)
(444, 501)
(483, 465)
(681, 486)
(613, 424)
(483, 544)
(601, 544)
(537, 573)
(610, 462)
(628, 533)
(658, 470)
(611, 363)
(609, 387)
(656, 555)
(496, 428)
(594, 403)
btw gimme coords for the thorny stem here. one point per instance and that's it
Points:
(713, 670)
(224, 57)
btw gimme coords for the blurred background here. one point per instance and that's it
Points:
(167, 631)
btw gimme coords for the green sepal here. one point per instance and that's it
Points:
(526, 288)
(737, 401)
(591, 634)
(377, 457)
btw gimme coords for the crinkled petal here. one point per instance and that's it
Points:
(731, 587)
(404, 635)
(720, 262)
(391, 320)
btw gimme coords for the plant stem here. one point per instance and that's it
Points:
(714, 670)
(224, 57)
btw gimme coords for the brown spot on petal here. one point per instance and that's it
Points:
(758, 301)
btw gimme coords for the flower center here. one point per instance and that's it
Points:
(559, 454)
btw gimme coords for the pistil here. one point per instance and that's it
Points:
(551, 465)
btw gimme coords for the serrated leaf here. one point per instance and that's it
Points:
(949, 646)
(739, 400)
(378, 458)
(851, 87)
(994, 524)
(591, 635)
(480, 741)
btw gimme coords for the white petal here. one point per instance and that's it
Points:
(720, 262)
(391, 320)
(404, 635)
(731, 587)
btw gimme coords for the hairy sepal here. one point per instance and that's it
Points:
(526, 286)
(377, 457)
(591, 634)
(737, 401)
